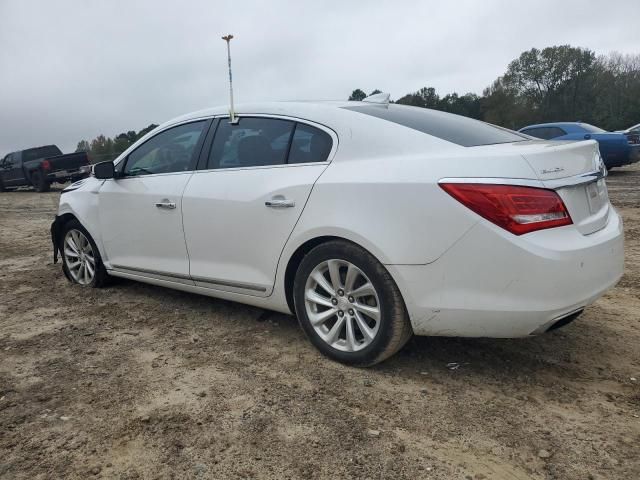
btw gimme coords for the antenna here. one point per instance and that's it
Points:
(232, 114)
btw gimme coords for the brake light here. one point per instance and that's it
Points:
(515, 208)
(46, 165)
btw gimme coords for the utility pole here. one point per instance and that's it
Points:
(232, 115)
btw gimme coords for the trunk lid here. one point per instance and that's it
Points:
(571, 169)
(552, 160)
(576, 172)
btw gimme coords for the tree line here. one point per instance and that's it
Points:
(104, 148)
(559, 83)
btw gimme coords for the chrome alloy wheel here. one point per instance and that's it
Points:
(342, 305)
(79, 257)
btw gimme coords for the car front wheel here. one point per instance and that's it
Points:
(349, 306)
(80, 257)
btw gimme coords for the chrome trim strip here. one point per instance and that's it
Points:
(577, 180)
(526, 182)
(212, 281)
(224, 283)
(152, 272)
(554, 184)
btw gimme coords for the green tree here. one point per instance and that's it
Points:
(552, 82)
(146, 130)
(357, 95)
(83, 146)
(426, 97)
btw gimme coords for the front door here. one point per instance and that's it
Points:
(141, 211)
(239, 211)
(12, 171)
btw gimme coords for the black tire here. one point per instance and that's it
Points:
(39, 181)
(101, 277)
(394, 328)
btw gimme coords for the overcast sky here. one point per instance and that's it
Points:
(74, 69)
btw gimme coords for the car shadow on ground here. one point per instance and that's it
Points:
(486, 359)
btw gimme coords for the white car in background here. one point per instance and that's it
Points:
(370, 222)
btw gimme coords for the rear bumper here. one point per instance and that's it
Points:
(620, 159)
(494, 284)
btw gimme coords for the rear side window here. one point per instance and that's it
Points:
(446, 126)
(555, 132)
(252, 142)
(309, 144)
(545, 133)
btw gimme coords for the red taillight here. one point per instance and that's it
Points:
(517, 209)
(46, 165)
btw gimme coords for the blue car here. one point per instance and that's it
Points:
(615, 148)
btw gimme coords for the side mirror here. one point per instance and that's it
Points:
(104, 170)
(587, 136)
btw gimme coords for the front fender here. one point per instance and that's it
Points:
(82, 203)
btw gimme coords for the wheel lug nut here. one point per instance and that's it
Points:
(334, 301)
(351, 311)
(341, 313)
(350, 298)
(341, 292)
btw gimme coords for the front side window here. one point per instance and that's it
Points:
(252, 142)
(173, 150)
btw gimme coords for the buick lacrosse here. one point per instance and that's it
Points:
(369, 221)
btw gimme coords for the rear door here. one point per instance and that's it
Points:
(241, 207)
(141, 212)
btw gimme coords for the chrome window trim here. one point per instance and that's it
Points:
(328, 130)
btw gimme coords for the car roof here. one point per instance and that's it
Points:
(296, 108)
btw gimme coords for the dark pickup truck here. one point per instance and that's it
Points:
(40, 167)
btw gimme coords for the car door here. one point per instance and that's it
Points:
(241, 206)
(141, 210)
(12, 171)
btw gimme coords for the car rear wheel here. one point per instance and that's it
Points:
(40, 183)
(349, 306)
(80, 257)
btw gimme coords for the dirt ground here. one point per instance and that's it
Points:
(137, 381)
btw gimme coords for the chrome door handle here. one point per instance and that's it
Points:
(280, 203)
(167, 205)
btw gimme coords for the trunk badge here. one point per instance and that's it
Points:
(553, 170)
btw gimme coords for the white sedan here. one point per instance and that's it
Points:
(369, 221)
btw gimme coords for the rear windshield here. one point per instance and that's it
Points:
(446, 126)
(40, 152)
